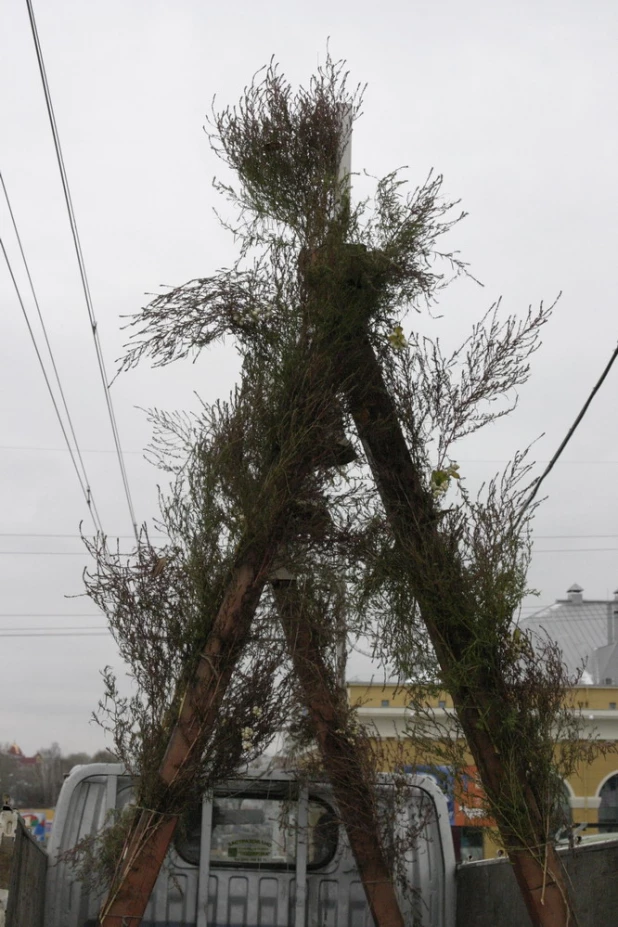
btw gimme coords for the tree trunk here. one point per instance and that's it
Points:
(344, 762)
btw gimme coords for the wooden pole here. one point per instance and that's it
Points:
(310, 435)
(150, 839)
(343, 759)
(438, 584)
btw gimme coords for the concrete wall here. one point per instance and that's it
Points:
(488, 896)
(27, 884)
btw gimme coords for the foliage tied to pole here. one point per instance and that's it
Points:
(430, 573)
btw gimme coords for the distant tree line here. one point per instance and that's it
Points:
(38, 784)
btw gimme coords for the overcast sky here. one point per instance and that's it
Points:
(515, 103)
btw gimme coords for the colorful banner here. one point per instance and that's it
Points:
(39, 822)
(465, 798)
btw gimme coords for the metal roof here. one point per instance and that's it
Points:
(579, 628)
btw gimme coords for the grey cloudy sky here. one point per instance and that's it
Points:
(515, 103)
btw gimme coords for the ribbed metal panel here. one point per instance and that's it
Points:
(251, 897)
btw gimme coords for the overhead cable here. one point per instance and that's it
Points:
(30, 534)
(52, 630)
(49, 615)
(85, 484)
(64, 553)
(58, 634)
(37, 534)
(85, 450)
(128, 553)
(82, 267)
(568, 436)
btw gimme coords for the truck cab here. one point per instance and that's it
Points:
(263, 851)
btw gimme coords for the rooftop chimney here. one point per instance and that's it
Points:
(575, 594)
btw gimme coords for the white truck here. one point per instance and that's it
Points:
(263, 851)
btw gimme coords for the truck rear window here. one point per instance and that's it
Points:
(254, 831)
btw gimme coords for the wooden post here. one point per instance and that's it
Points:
(311, 436)
(345, 764)
(150, 839)
(412, 516)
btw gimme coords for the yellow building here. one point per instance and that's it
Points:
(592, 790)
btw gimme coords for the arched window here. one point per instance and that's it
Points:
(608, 809)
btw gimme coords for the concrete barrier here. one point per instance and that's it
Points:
(488, 896)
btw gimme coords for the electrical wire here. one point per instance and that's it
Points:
(63, 553)
(99, 450)
(85, 487)
(574, 550)
(82, 266)
(27, 534)
(567, 438)
(88, 490)
(48, 615)
(128, 553)
(52, 630)
(60, 634)
(76, 537)
(464, 460)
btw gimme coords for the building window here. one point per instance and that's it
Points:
(608, 809)
(612, 706)
(385, 703)
(441, 703)
(471, 843)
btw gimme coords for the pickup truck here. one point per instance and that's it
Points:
(262, 851)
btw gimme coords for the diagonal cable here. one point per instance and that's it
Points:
(82, 266)
(89, 497)
(85, 487)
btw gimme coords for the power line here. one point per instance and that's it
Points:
(50, 630)
(37, 534)
(87, 490)
(464, 460)
(573, 550)
(128, 553)
(82, 266)
(63, 553)
(60, 634)
(84, 486)
(76, 537)
(85, 450)
(48, 615)
(547, 537)
(569, 434)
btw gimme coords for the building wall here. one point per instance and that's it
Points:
(383, 708)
